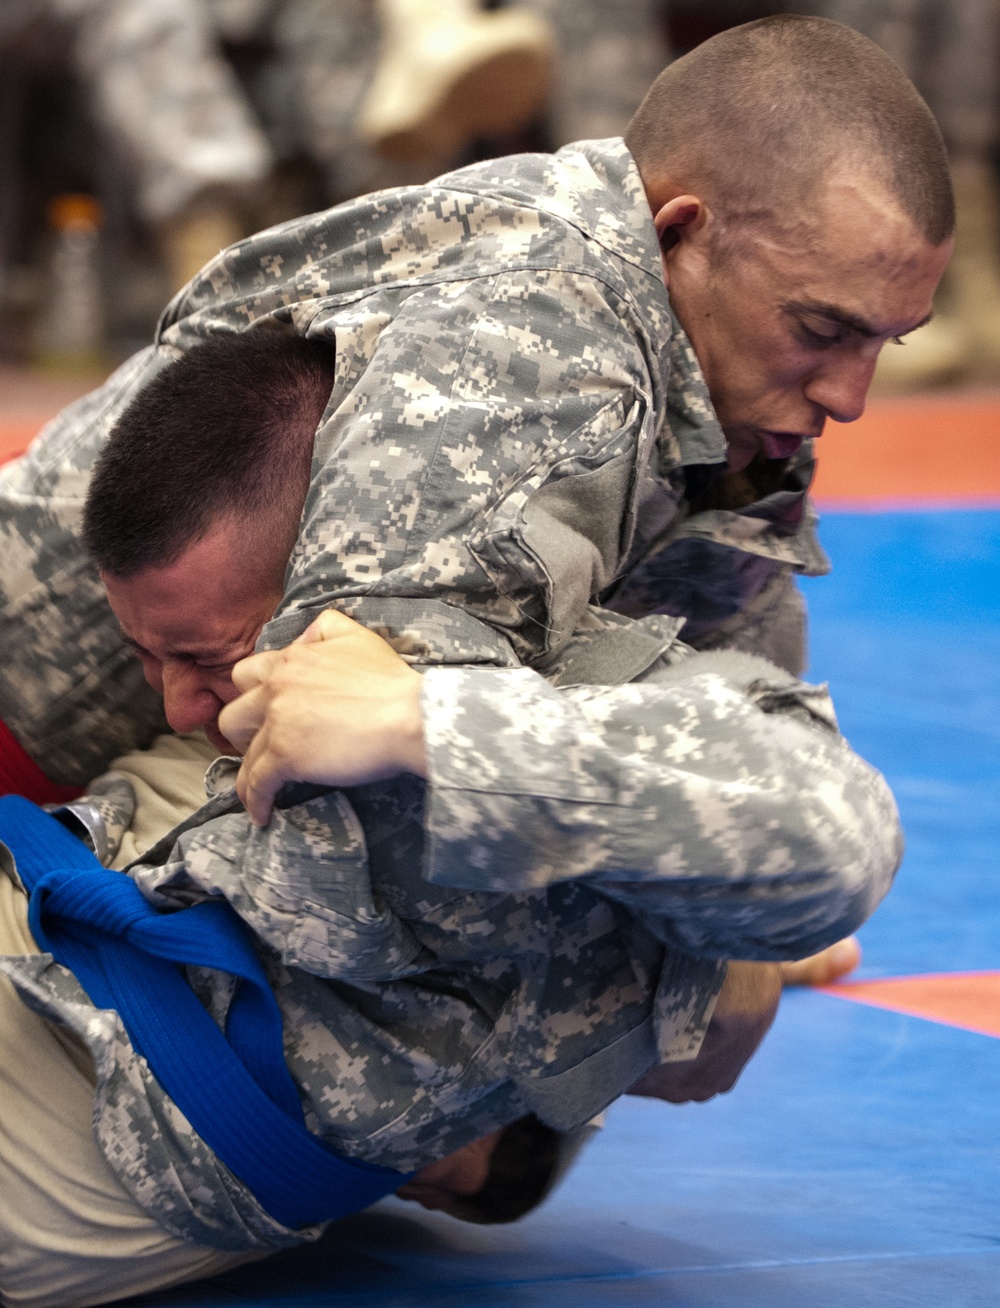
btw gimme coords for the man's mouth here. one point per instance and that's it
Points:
(780, 444)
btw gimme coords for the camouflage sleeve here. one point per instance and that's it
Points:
(303, 884)
(716, 798)
(484, 454)
(70, 691)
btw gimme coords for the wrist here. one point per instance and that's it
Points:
(411, 742)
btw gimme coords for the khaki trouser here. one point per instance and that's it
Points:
(69, 1233)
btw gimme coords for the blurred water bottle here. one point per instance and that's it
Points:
(70, 333)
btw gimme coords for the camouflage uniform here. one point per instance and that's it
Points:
(515, 421)
(514, 426)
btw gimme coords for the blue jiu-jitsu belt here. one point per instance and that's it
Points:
(234, 1087)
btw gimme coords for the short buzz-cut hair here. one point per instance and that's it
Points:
(226, 431)
(770, 108)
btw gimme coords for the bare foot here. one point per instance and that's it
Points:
(821, 969)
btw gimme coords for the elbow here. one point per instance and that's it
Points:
(866, 849)
(818, 884)
(847, 866)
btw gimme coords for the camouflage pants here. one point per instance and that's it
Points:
(609, 53)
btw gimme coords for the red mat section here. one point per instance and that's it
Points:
(970, 1000)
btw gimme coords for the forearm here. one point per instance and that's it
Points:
(733, 826)
(713, 796)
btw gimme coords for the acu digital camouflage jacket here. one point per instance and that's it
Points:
(515, 421)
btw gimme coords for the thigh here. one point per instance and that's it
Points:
(69, 1233)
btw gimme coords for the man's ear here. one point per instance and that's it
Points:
(678, 219)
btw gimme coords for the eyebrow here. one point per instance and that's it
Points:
(846, 319)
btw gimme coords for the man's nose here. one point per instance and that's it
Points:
(188, 699)
(840, 388)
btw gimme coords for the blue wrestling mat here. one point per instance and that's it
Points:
(857, 1163)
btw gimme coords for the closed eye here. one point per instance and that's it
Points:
(820, 340)
(211, 666)
(809, 320)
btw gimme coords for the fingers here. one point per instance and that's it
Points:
(328, 626)
(242, 718)
(338, 707)
(260, 778)
(255, 670)
(244, 721)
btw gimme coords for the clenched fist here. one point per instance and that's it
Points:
(743, 1014)
(338, 707)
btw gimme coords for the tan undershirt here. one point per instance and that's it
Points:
(70, 1235)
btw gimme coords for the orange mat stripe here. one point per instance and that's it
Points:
(16, 435)
(929, 449)
(970, 1000)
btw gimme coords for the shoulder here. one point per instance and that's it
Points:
(581, 210)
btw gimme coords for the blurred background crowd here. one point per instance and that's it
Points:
(138, 137)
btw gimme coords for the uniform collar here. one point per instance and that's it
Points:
(615, 212)
(625, 228)
(690, 414)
